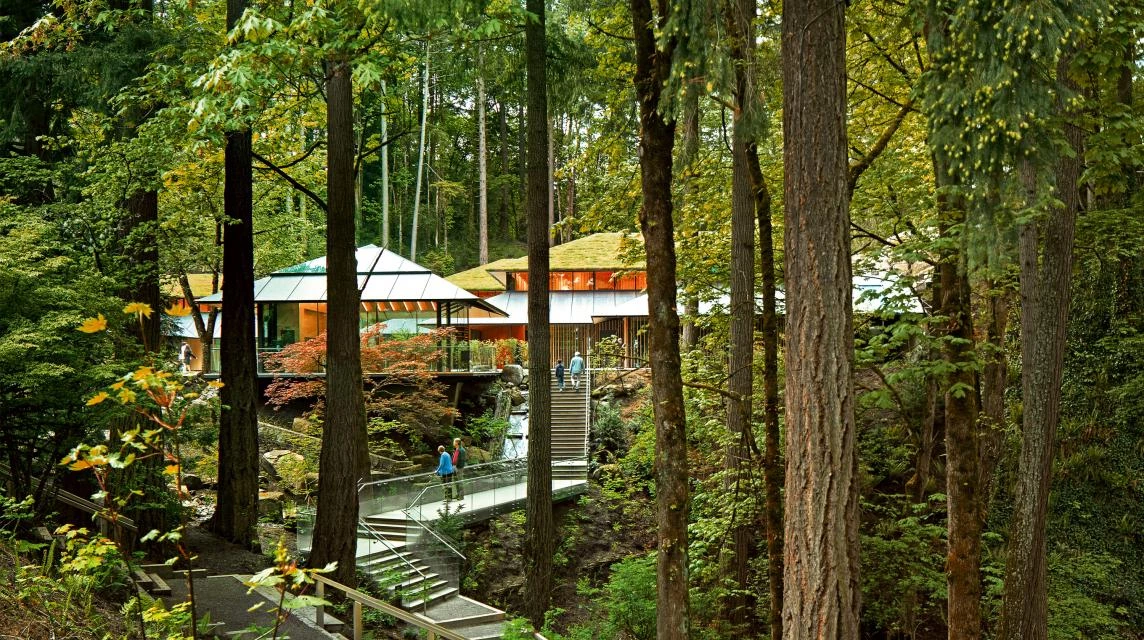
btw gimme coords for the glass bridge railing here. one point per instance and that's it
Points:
(431, 512)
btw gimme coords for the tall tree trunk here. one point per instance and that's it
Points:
(420, 156)
(821, 585)
(482, 152)
(963, 564)
(522, 155)
(503, 210)
(657, 139)
(687, 156)
(384, 173)
(551, 184)
(772, 455)
(1046, 247)
(540, 521)
(994, 380)
(236, 512)
(344, 460)
(739, 605)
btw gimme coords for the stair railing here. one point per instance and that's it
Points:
(375, 535)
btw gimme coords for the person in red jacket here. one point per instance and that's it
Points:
(459, 460)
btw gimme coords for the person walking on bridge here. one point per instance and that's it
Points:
(460, 459)
(445, 471)
(576, 367)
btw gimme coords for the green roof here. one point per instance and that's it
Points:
(201, 285)
(597, 252)
(479, 278)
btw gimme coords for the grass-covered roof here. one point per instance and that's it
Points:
(614, 251)
(479, 278)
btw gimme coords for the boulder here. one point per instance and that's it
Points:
(423, 460)
(302, 425)
(512, 374)
(270, 505)
(477, 455)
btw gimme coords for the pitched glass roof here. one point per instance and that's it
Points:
(383, 276)
(370, 259)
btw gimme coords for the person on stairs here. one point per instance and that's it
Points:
(576, 367)
(459, 460)
(560, 374)
(445, 471)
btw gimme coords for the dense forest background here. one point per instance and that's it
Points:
(983, 143)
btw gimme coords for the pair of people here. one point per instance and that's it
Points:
(451, 469)
(575, 367)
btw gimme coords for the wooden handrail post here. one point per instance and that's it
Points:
(320, 612)
(359, 630)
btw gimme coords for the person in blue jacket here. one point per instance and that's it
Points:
(576, 367)
(445, 471)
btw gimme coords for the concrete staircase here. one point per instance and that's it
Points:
(569, 427)
(423, 587)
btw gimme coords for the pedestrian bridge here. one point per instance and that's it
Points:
(406, 525)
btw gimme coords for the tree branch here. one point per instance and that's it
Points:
(378, 147)
(608, 33)
(285, 176)
(862, 164)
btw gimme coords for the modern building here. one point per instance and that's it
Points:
(588, 280)
(290, 304)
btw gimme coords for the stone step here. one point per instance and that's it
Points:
(482, 631)
(435, 596)
(159, 586)
(415, 580)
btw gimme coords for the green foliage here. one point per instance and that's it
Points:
(1083, 588)
(609, 433)
(903, 558)
(488, 430)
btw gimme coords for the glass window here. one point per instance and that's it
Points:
(604, 281)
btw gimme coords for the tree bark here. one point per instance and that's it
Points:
(504, 210)
(420, 157)
(657, 138)
(963, 563)
(772, 455)
(687, 156)
(344, 460)
(821, 584)
(236, 513)
(482, 152)
(539, 519)
(739, 605)
(384, 174)
(1046, 246)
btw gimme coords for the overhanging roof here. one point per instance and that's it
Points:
(565, 307)
(597, 252)
(871, 294)
(383, 276)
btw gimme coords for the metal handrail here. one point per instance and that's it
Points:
(432, 532)
(431, 474)
(369, 529)
(523, 462)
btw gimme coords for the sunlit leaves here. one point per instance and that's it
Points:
(94, 325)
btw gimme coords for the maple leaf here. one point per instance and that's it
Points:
(97, 398)
(92, 325)
(178, 310)
(138, 308)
